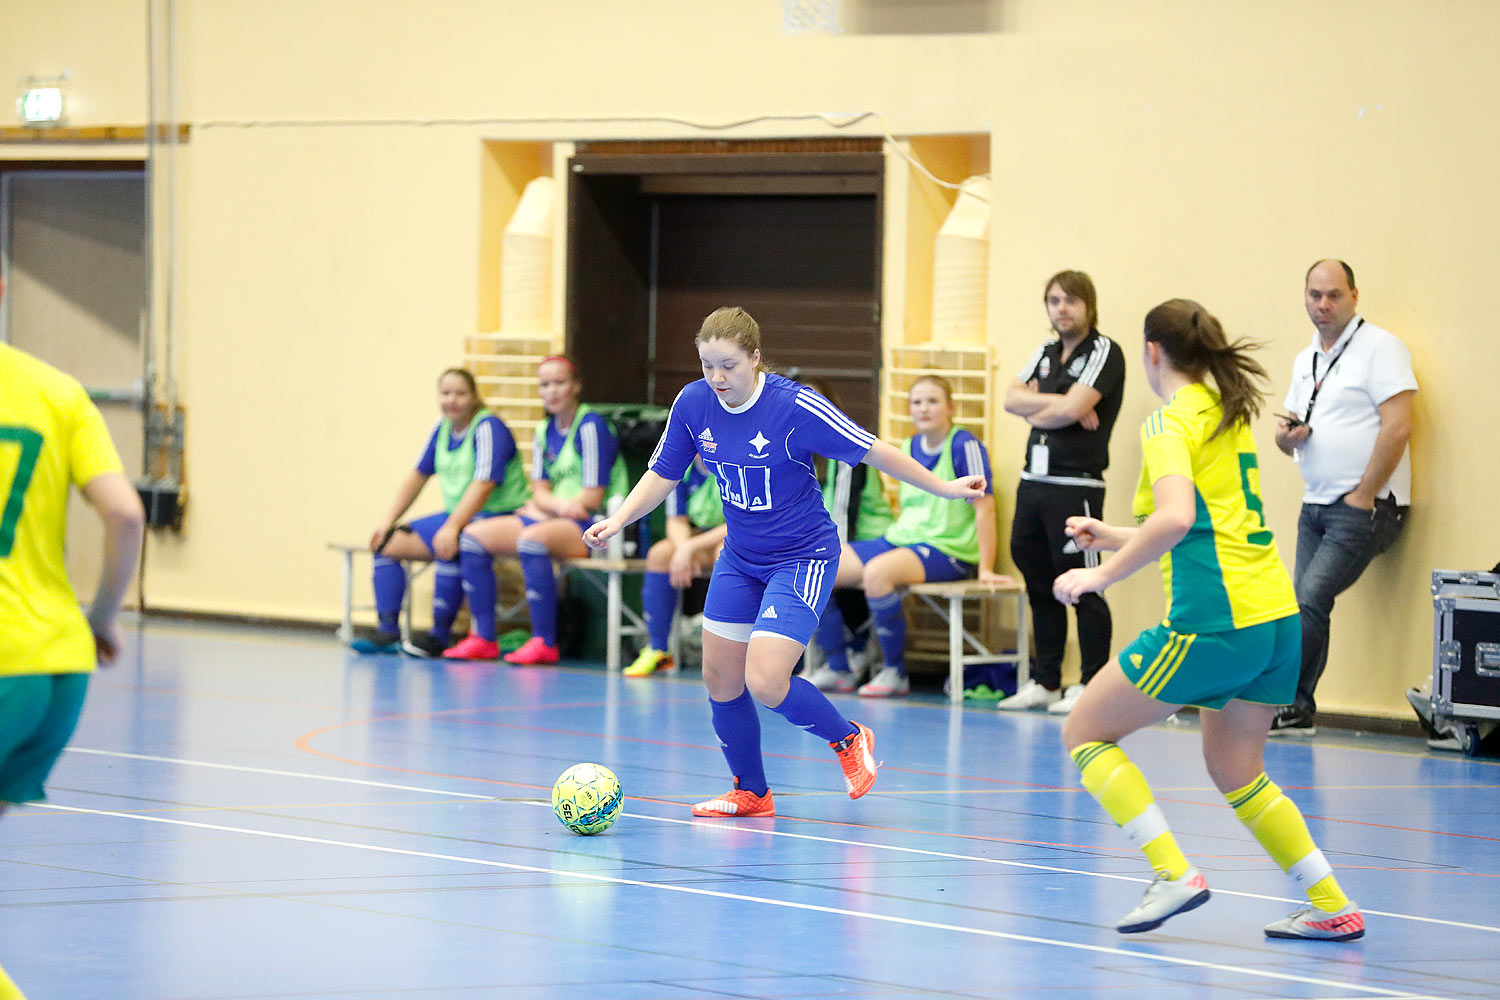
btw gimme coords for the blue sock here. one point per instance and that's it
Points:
(447, 595)
(658, 603)
(541, 589)
(808, 708)
(833, 638)
(477, 571)
(890, 628)
(737, 725)
(390, 590)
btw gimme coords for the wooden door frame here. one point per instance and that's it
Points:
(740, 167)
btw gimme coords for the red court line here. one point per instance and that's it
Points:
(303, 744)
(1406, 829)
(593, 734)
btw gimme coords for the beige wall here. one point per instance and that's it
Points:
(328, 271)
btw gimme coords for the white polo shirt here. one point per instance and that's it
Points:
(1370, 366)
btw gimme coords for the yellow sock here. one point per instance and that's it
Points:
(8, 989)
(1121, 789)
(1278, 824)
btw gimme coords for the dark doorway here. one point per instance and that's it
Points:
(658, 242)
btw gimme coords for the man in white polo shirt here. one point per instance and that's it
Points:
(1349, 415)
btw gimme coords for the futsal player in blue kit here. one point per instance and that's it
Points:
(757, 432)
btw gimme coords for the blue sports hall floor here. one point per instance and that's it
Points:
(256, 813)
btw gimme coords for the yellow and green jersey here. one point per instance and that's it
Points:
(51, 436)
(1226, 572)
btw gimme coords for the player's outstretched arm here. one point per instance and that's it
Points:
(895, 462)
(1175, 512)
(1089, 534)
(119, 507)
(643, 499)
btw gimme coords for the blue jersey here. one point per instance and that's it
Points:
(493, 448)
(762, 452)
(596, 450)
(970, 457)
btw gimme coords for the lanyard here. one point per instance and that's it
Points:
(1318, 382)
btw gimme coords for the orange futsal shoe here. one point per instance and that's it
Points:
(534, 651)
(857, 756)
(737, 803)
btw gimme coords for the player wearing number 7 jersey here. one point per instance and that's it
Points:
(51, 436)
(1230, 641)
(757, 433)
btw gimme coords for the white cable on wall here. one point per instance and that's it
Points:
(840, 120)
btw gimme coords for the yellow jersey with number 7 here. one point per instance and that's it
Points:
(51, 436)
(1226, 572)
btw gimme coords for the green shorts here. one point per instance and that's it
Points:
(37, 715)
(1211, 669)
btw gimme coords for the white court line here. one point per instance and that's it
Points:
(283, 774)
(779, 833)
(786, 904)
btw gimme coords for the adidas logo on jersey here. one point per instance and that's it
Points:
(770, 612)
(707, 435)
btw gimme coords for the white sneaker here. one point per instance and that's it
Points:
(1166, 898)
(1029, 696)
(1320, 925)
(1064, 705)
(889, 683)
(866, 662)
(825, 678)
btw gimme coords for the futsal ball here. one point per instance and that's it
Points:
(587, 798)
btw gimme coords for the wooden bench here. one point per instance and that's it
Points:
(972, 590)
(415, 568)
(346, 619)
(616, 610)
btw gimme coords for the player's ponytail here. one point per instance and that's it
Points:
(1195, 344)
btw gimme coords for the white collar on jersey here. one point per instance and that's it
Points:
(760, 383)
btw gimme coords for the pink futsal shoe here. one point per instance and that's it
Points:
(1311, 923)
(472, 647)
(857, 757)
(533, 652)
(737, 803)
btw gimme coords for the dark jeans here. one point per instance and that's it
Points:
(1335, 542)
(1036, 546)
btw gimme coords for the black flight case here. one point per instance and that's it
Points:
(1466, 654)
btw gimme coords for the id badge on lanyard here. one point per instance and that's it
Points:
(1040, 458)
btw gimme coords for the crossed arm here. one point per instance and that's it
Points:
(1050, 410)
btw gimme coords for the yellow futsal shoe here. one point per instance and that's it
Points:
(651, 661)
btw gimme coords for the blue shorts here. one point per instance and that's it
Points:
(938, 566)
(37, 715)
(1259, 663)
(785, 598)
(426, 528)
